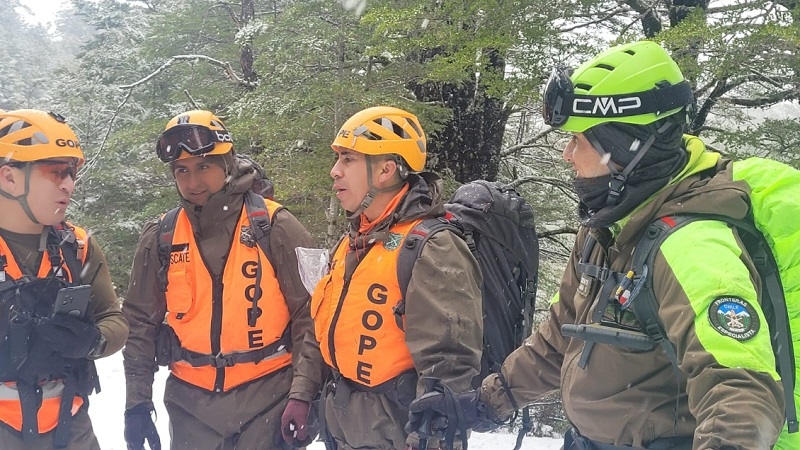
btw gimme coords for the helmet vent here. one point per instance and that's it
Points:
(414, 126)
(390, 125)
(14, 127)
(586, 87)
(630, 52)
(371, 136)
(606, 66)
(364, 131)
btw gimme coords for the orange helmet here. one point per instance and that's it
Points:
(383, 130)
(193, 133)
(28, 135)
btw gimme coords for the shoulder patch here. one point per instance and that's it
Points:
(734, 317)
(394, 241)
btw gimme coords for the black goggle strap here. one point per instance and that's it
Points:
(656, 101)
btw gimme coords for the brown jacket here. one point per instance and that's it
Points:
(630, 397)
(443, 331)
(145, 308)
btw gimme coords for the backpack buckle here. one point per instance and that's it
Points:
(219, 361)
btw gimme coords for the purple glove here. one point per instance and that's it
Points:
(294, 423)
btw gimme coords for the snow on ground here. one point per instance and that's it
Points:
(107, 408)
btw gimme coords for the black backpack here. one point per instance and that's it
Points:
(498, 226)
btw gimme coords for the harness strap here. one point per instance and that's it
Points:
(275, 349)
(61, 434)
(30, 399)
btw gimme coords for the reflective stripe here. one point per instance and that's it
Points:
(47, 416)
(50, 389)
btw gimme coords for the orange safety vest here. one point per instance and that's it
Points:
(355, 324)
(10, 405)
(210, 320)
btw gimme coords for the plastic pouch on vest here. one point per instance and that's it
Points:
(312, 263)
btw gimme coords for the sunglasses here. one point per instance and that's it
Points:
(193, 139)
(561, 102)
(55, 170)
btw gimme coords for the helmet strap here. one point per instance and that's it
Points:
(618, 178)
(373, 191)
(23, 199)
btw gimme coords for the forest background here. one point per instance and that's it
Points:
(284, 74)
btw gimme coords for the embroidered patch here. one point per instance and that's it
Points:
(393, 242)
(734, 317)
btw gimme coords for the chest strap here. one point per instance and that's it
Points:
(220, 360)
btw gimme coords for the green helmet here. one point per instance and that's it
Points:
(636, 83)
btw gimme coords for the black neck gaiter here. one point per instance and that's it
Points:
(592, 192)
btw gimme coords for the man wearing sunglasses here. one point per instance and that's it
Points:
(712, 389)
(215, 294)
(46, 353)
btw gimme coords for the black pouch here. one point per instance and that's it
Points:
(405, 389)
(168, 346)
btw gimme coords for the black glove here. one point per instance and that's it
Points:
(139, 426)
(433, 413)
(68, 336)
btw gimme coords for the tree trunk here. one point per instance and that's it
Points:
(468, 145)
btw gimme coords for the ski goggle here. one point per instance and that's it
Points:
(561, 102)
(193, 139)
(556, 91)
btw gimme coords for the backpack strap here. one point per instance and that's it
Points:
(166, 229)
(645, 306)
(63, 247)
(412, 250)
(260, 219)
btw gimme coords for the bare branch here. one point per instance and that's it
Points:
(191, 99)
(524, 144)
(226, 67)
(602, 19)
(96, 158)
(544, 180)
(764, 100)
(556, 232)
